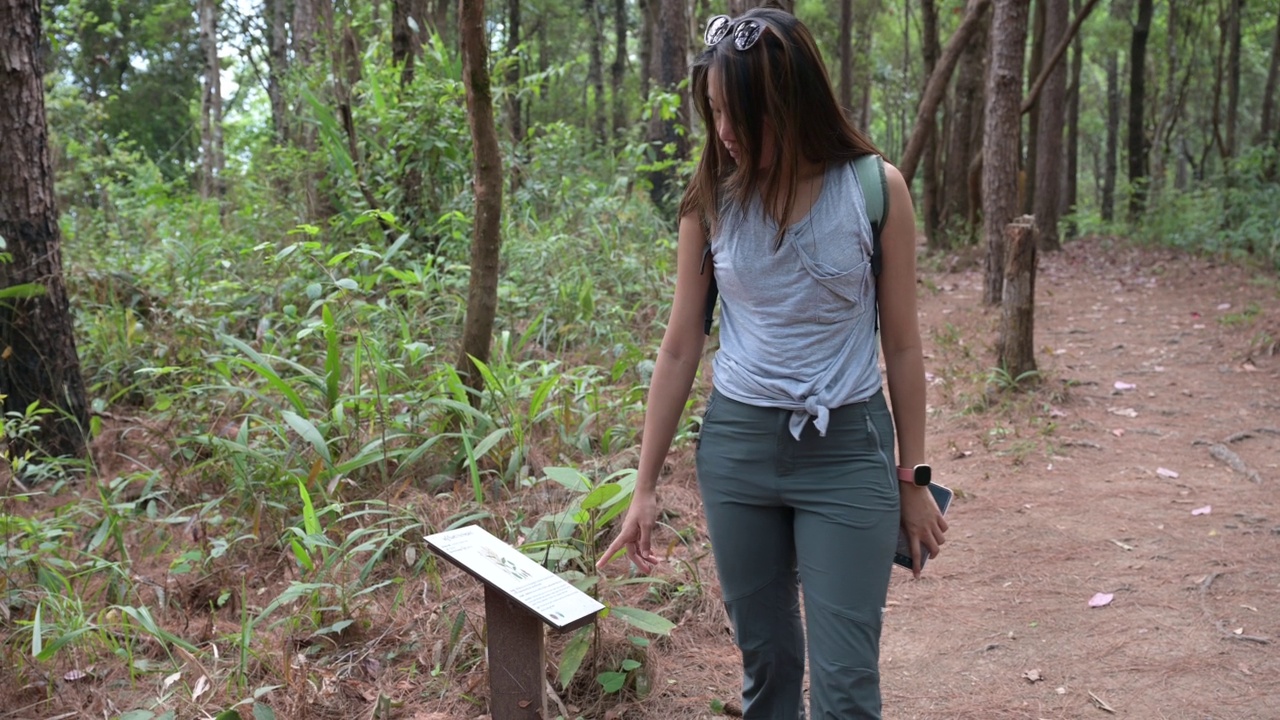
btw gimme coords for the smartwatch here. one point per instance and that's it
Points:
(920, 475)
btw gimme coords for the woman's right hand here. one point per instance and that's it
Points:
(636, 534)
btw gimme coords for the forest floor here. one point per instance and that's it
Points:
(1112, 476)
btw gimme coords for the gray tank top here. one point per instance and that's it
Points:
(798, 324)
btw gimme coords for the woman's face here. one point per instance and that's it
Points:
(724, 129)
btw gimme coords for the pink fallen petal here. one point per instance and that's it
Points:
(1202, 510)
(1122, 385)
(1166, 473)
(1101, 599)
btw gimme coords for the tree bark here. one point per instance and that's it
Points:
(438, 16)
(1072, 194)
(865, 15)
(649, 10)
(211, 152)
(619, 68)
(306, 26)
(39, 363)
(1110, 160)
(964, 130)
(1047, 201)
(1137, 104)
(277, 66)
(1015, 347)
(407, 20)
(595, 69)
(844, 54)
(1027, 180)
(936, 88)
(486, 240)
(515, 120)
(1233, 76)
(1059, 52)
(1001, 148)
(671, 49)
(931, 50)
(1267, 129)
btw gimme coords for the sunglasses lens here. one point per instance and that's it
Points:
(717, 28)
(746, 34)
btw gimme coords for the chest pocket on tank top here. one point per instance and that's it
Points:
(840, 263)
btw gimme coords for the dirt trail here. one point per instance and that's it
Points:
(1110, 499)
(1084, 487)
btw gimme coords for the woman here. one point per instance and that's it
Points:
(795, 458)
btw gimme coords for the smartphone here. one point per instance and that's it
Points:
(902, 556)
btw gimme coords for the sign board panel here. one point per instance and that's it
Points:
(498, 565)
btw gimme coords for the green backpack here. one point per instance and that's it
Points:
(870, 169)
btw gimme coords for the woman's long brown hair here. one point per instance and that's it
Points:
(780, 79)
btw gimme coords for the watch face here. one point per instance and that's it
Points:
(923, 475)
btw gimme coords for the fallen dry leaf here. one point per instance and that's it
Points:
(202, 686)
(1033, 675)
(1123, 412)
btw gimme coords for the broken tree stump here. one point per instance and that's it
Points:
(1015, 347)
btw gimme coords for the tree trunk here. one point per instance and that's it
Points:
(407, 20)
(515, 119)
(844, 54)
(1137, 104)
(1072, 195)
(438, 16)
(932, 50)
(1267, 130)
(936, 88)
(1233, 76)
(211, 153)
(39, 363)
(486, 241)
(619, 68)
(1047, 200)
(1027, 191)
(865, 15)
(1001, 148)
(1015, 347)
(670, 60)
(306, 26)
(1167, 117)
(964, 129)
(277, 66)
(595, 69)
(1110, 158)
(1058, 53)
(649, 10)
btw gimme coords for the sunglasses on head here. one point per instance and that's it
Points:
(745, 32)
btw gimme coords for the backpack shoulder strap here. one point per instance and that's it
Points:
(713, 292)
(875, 194)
